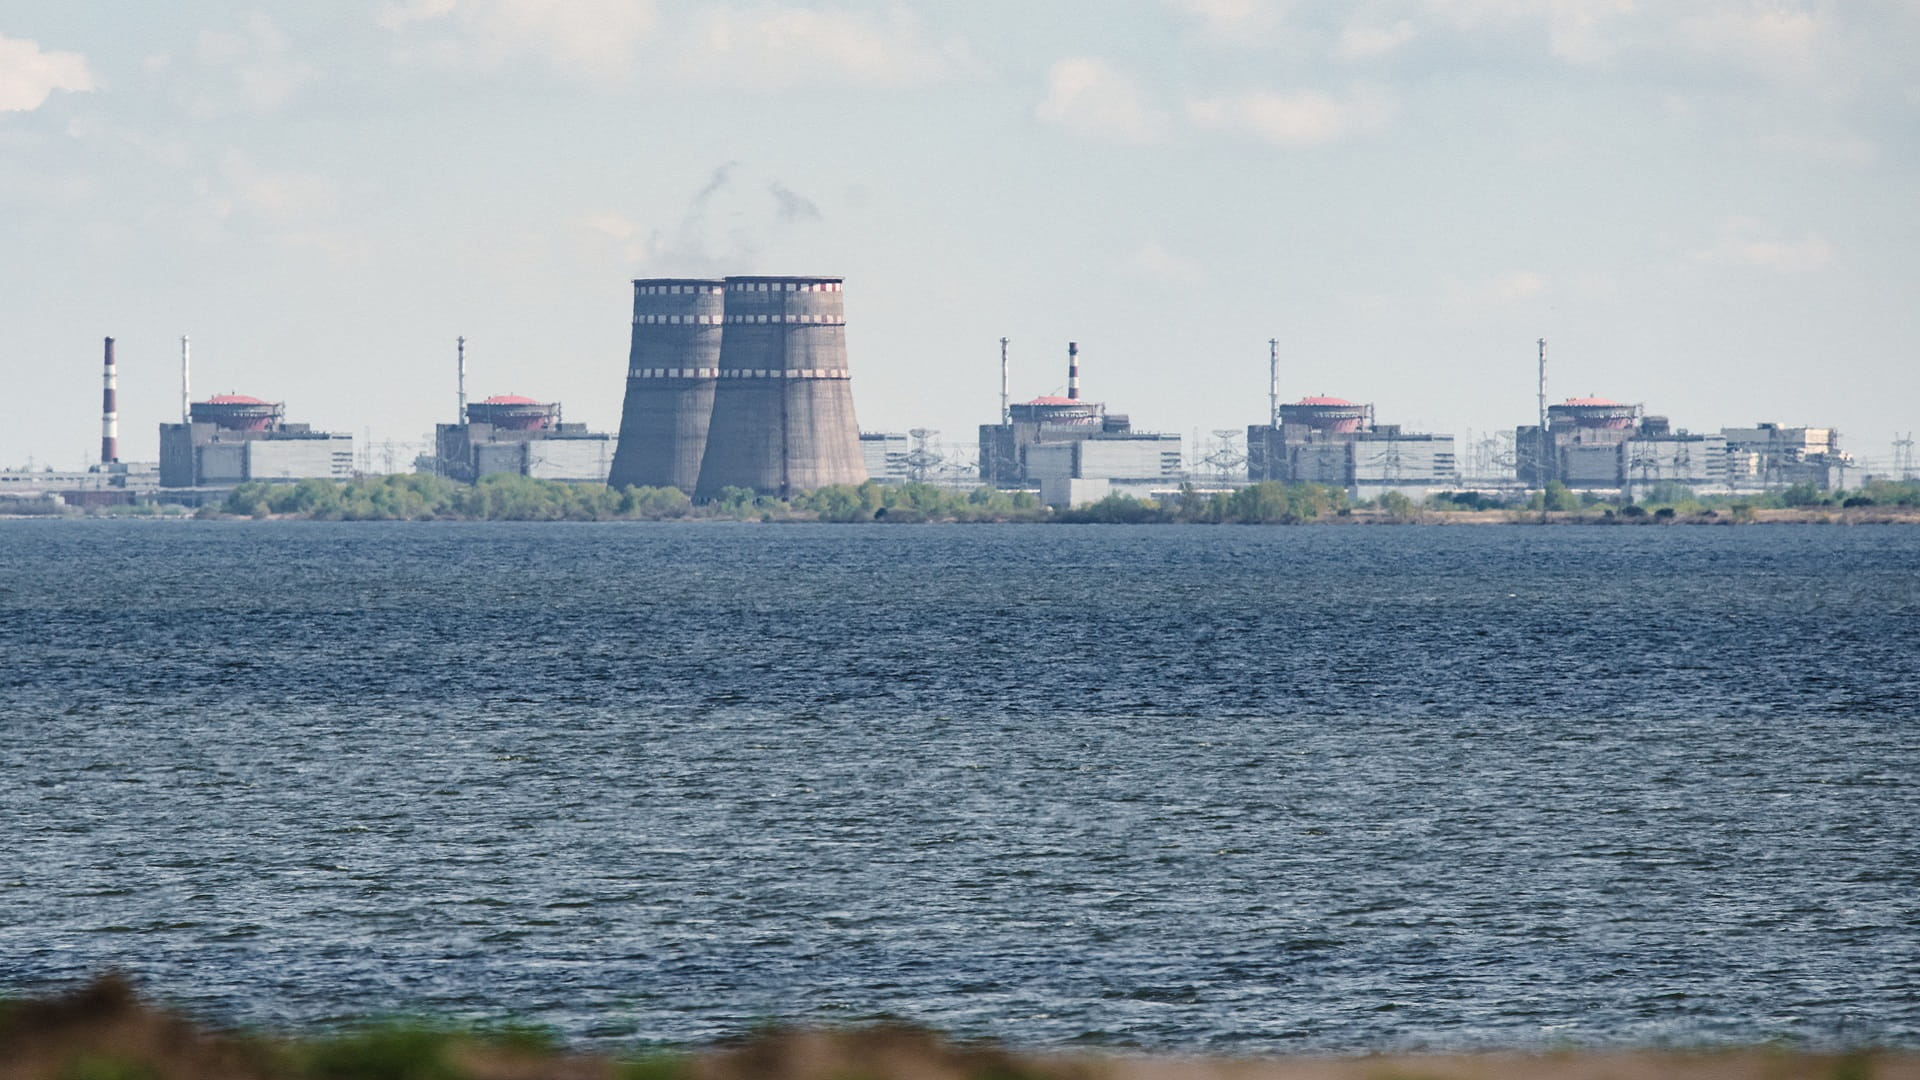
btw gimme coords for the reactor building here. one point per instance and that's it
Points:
(1598, 444)
(738, 382)
(1073, 449)
(509, 433)
(1333, 441)
(229, 439)
(1768, 456)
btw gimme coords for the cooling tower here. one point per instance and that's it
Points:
(783, 406)
(671, 370)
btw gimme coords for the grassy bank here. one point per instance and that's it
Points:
(103, 1032)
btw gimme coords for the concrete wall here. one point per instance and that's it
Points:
(581, 460)
(329, 458)
(176, 455)
(1143, 457)
(1410, 460)
(1693, 460)
(1591, 466)
(1319, 463)
(1063, 493)
(491, 458)
(220, 463)
(1051, 461)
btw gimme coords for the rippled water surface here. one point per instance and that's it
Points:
(1218, 789)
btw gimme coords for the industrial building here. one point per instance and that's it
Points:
(1598, 444)
(1333, 441)
(232, 438)
(673, 368)
(1769, 456)
(887, 456)
(521, 436)
(1073, 449)
(782, 419)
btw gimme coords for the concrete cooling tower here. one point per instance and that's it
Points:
(783, 405)
(671, 370)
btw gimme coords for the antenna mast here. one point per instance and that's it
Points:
(462, 346)
(186, 384)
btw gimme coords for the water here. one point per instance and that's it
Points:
(1195, 789)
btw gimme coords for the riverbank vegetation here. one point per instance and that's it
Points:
(420, 497)
(104, 1032)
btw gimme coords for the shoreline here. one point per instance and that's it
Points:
(419, 497)
(1863, 516)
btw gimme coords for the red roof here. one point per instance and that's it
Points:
(235, 399)
(1323, 401)
(509, 399)
(1590, 401)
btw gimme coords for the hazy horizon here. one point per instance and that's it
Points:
(1706, 207)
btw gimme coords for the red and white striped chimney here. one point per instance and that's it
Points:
(109, 413)
(1073, 371)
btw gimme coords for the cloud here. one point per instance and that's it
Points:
(1775, 42)
(1089, 97)
(1156, 262)
(401, 15)
(775, 46)
(1839, 147)
(1365, 41)
(273, 195)
(1307, 118)
(256, 57)
(1466, 295)
(1237, 22)
(1746, 242)
(596, 39)
(1578, 31)
(28, 76)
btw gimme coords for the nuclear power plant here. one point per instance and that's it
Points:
(1072, 448)
(233, 438)
(741, 382)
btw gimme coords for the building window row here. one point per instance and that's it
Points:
(783, 286)
(812, 320)
(674, 373)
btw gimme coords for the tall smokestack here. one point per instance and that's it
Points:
(1273, 382)
(109, 412)
(461, 345)
(1073, 371)
(186, 385)
(1006, 409)
(1543, 388)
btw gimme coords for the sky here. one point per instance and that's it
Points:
(1711, 207)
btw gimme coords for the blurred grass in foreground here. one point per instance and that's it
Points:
(104, 1032)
